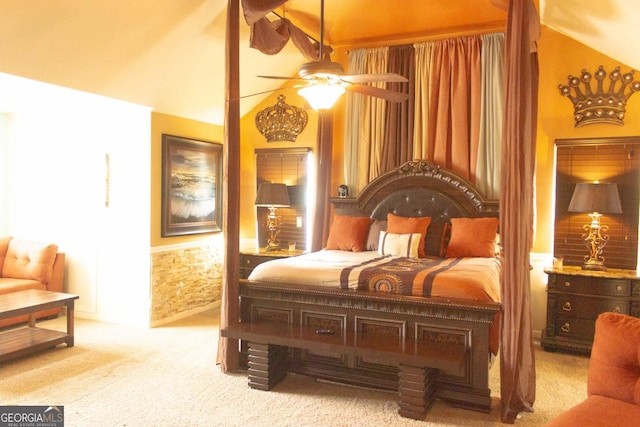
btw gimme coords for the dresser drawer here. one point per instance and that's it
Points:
(588, 308)
(251, 261)
(593, 285)
(575, 328)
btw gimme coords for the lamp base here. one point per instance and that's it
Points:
(272, 247)
(594, 266)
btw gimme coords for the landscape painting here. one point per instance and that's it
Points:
(191, 186)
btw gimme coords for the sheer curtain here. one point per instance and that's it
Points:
(491, 116)
(371, 121)
(353, 110)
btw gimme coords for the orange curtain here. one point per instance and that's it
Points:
(517, 361)
(454, 104)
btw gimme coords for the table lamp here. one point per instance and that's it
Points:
(595, 199)
(272, 195)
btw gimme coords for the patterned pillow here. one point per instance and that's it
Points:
(403, 225)
(405, 245)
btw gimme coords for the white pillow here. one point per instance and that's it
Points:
(405, 245)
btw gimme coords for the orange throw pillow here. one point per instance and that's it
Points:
(407, 225)
(472, 237)
(348, 233)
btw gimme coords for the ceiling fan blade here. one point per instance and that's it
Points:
(378, 92)
(281, 78)
(374, 77)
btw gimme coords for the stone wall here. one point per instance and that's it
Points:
(185, 278)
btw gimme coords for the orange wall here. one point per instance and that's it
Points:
(559, 57)
(178, 126)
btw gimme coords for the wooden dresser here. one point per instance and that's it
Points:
(575, 298)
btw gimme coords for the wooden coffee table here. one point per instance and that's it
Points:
(30, 339)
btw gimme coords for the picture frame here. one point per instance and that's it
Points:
(191, 186)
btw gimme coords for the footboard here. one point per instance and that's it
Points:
(344, 312)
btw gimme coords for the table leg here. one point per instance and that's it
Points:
(70, 325)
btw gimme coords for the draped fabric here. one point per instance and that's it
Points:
(517, 361)
(491, 116)
(397, 146)
(269, 37)
(443, 119)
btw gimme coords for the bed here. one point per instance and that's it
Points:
(362, 293)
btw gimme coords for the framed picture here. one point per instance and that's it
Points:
(191, 186)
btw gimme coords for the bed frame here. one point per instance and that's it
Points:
(417, 188)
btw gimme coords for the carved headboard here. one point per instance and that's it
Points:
(419, 188)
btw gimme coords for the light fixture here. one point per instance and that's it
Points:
(322, 96)
(595, 199)
(272, 195)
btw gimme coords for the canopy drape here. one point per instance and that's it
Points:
(517, 357)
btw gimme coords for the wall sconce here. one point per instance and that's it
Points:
(595, 199)
(273, 196)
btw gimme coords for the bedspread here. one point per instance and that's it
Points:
(474, 279)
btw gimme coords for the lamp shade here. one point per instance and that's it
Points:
(322, 96)
(272, 194)
(595, 197)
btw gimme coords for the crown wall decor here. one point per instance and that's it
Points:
(600, 104)
(281, 122)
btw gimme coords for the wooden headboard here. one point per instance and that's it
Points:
(415, 189)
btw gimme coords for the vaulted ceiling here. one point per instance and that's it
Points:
(169, 54)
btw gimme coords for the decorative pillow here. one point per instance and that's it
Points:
(472, 237)
(348, 233)
(29, 260)
(405, 245)
(374, 234)
(407, 225)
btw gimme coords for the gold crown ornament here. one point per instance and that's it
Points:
(600, 104)
(281, 122)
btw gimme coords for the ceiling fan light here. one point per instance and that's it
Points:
(322, 96)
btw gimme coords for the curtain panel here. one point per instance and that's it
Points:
(455, 96)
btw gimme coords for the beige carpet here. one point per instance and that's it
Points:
(166, 376)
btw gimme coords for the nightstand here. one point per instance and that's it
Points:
(249, 260)
(575, 298)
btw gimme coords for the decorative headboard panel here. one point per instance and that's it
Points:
(419, 188)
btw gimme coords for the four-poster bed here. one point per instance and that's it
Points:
(517, 164)
(424, 323)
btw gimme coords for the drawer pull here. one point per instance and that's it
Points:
(616, 310)
(567, 306)
(567, 284)
(619, 288)
(566, 328)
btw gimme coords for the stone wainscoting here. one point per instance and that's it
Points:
(184, 278)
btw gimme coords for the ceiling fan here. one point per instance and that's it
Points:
(324, 81)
